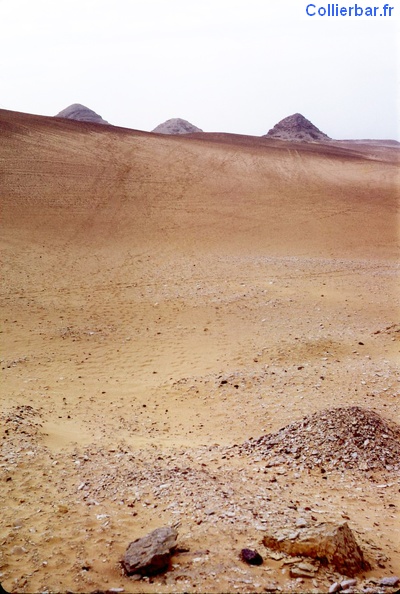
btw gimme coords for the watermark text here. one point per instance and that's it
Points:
(317, 10)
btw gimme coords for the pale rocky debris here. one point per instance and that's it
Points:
(340, 438)
(390, 581)
(348, 584)
(298, 571)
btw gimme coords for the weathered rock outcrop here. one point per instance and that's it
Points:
(328, 542)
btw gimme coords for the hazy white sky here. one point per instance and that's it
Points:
(225, 65)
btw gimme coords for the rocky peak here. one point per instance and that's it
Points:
(296, 127)
(79, 112)
(176, 126)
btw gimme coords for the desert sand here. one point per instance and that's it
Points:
(165, 299)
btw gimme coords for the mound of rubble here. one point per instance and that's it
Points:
(21, 421)
(339, 438)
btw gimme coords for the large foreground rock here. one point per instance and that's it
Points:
(328, 542)
(150, 554)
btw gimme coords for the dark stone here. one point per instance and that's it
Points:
(251, 557)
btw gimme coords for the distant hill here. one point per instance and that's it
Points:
(176, 126)
(296, 127)
(79, 112)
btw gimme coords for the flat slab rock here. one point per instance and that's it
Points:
(333, 543)
(152, 553)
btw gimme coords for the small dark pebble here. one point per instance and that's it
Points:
(251, 557)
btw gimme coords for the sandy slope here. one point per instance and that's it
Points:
(164, 298)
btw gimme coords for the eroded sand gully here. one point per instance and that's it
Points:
(131, 370)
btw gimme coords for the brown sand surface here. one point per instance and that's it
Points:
(164, 299)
